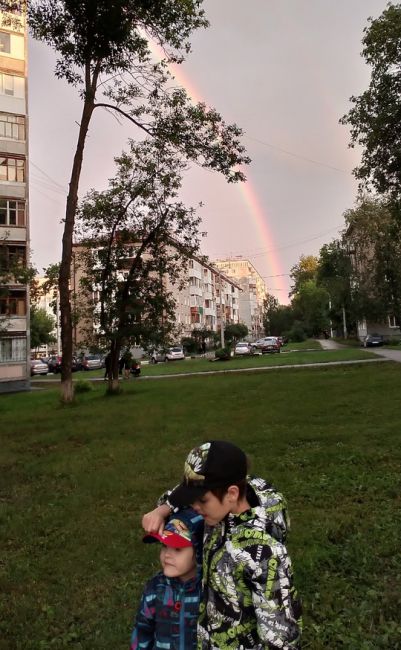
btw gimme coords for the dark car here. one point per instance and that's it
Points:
(54, 364)
(267, 345)
(373, 340)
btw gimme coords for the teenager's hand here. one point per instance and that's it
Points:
(153, 522)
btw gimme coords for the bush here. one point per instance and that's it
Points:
(393, 341)
(189, 344)
(83, 386)
(297, 333)
(223, 354)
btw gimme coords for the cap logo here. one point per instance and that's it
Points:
(176, 527)
(195, 463)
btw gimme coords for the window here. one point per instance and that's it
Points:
(12, 126)
(12, 169)
(393, 321)
(4, 43)
(12, 85)
(12, 349)
(12, 213)
(14, 304)
(11, 256)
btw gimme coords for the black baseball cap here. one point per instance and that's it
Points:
(214, 464)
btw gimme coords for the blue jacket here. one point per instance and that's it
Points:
(167, 615)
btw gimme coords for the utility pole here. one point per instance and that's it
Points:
(221, 314)
(344, 324)
(331, 323)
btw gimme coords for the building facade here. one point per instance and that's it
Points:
(14, 223)
(252, 295)
(206, 299)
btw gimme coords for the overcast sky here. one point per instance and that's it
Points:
(284, 71)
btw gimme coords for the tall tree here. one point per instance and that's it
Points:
(104, 52)
(375, 116)
(277, 319)
(305, 270)
(134, 237)
(373, 236)
(42, 326)
(334, 273)
(311, 308)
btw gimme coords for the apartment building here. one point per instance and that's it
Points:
(253, 292)
(206, 299)
(14, 230)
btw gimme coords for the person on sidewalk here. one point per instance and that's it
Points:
(169, 608)
(249, 599)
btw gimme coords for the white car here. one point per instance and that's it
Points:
(174, 353)
(243, 348)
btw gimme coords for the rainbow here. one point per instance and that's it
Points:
(247, 190)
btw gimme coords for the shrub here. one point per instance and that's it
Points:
(297, 333)
(223, 354)
(83, 386)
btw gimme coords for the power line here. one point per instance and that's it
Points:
(298, 156)
(47, 175)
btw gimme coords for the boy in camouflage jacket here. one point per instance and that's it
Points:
(249, 600)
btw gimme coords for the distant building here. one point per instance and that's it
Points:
(207, 299)
(253, 292)
(14, 230)
(50, 303)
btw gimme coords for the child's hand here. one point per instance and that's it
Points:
(153, 522)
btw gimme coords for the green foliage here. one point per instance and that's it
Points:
(83, 386)
(297, 332)
(374, 235)
(375, 116)
(305, 270)
(189, 344)
(311, 307)
(135, 236)
(223, 354)
(235, 332)
(277, 319)
(42, 326)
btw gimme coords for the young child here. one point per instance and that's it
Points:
(169, 608)
(249, 600)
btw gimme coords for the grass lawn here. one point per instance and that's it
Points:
(75, 481)
(286, 357)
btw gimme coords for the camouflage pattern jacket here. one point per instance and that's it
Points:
(249, 600)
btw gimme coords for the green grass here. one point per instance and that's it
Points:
(286, 357)
(75, 481)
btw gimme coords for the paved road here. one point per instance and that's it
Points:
(392, 355)
(329, 344)
(387, 353)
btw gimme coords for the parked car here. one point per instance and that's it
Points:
(167, 354)
(373, 340)
(92, 362)
(268, 344)
(54, 364)
(38, 367)
(243, 347)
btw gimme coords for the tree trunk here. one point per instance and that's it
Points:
(113, 380)
(67, 392)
